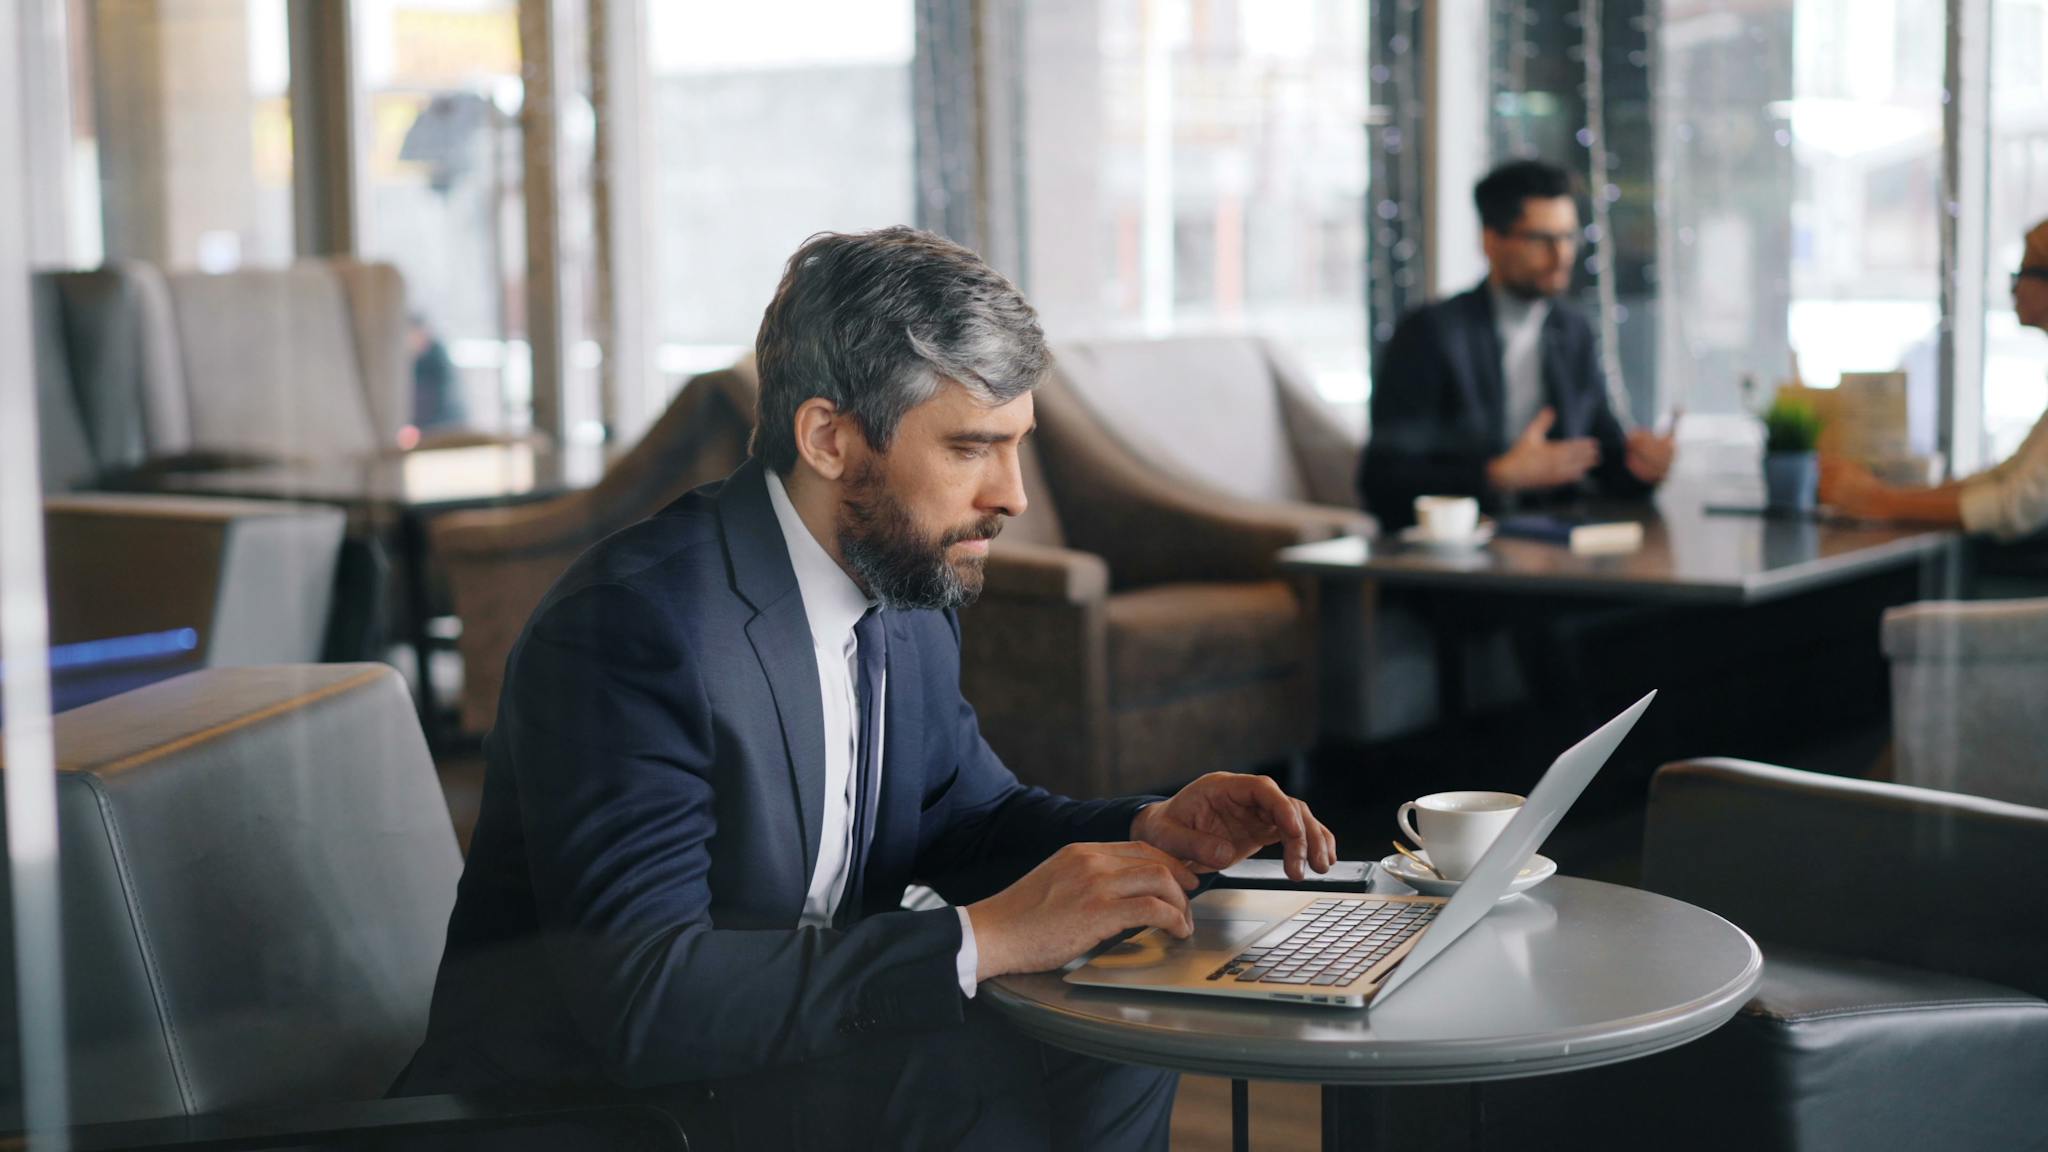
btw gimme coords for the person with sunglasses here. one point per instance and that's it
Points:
(1499, 392)
(2008, 501)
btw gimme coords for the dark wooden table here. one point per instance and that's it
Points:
(1694, 552)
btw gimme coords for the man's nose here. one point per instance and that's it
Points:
(1005, 493)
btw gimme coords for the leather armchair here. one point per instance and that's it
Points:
(1905, 966)
(1134, 629)
(500, 562)
(256, 874)
(1968, 680)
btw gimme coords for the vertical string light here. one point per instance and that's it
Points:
(1394, 214)
(1602, 192)
(1511, 75)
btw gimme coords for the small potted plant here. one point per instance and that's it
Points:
(1791, 464)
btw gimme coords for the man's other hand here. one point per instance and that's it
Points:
(1225, 816)
(1537, 461)
(1650, 455)
(1082, 895)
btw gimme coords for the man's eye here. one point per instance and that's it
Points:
(974, 452)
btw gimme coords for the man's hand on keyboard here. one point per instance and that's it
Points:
(1082, 895)
(1224, 817)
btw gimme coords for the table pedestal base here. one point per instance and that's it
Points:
(1357, 1119)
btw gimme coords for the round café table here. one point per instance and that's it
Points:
(1570, 974)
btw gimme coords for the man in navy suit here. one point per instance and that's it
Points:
(1499, 392)
(731, 734)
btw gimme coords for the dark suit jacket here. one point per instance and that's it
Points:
(1438, 408)
(650, 820)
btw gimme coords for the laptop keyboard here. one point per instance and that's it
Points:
(1330, 942)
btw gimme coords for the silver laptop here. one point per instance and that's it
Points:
(1345, 950)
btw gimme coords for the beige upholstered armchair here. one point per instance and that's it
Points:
(1968, 685)
(1134, 630)
(1236, 415)
(501, 561)
(180, 369)
(1232, 413)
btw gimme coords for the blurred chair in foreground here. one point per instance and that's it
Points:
(501, 561)
(142, 588)
(1970, 697)
(1905, 965)
(257, 870)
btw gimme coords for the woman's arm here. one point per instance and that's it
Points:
(1849, 488)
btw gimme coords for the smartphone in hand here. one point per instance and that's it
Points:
(1343, 876)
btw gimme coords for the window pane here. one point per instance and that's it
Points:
(439, 94)
(1805, 140)
(770, 121)
(1231, 178)
(192, 123)
(2015, 360)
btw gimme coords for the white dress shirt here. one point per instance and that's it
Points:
(833, 604)
(2011, 500)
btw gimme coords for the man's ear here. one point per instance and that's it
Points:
(822, 433)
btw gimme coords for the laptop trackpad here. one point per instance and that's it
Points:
(1223, 935)
(1155, 947)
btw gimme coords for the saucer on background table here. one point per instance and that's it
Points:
(1414, 536)
(1536, 871)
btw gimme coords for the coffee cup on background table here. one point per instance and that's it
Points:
(1456, 828)
(1447, 517)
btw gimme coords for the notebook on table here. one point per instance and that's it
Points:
(1579, 533)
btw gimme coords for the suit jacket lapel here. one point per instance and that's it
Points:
(1490, 397)
(1557, 377)
(895, 844)
(781, 636)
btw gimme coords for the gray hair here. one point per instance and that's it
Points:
(876, 322)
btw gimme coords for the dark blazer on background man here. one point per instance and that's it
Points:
(1438, 408)
(650, 820)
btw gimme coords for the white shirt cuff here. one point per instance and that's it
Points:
(1982, 504)
(969, 959)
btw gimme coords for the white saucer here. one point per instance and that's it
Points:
(1539, 869)
(1413, 535)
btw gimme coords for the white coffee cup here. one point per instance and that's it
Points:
(1456, 828)
(1447, 517)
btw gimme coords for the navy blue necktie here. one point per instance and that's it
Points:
(872, 653)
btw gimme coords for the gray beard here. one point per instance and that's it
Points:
(902, 569)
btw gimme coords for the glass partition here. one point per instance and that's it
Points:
(220, 577)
